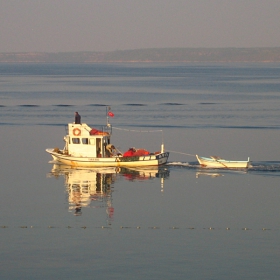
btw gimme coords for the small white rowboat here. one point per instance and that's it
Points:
(217, 162)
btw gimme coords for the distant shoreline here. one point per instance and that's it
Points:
(161, 55)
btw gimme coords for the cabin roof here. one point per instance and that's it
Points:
(84, 130)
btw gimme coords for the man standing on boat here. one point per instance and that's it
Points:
(77, 118)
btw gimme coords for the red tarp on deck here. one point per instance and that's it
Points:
(133, 152)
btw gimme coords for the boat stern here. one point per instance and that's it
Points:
(162, 158)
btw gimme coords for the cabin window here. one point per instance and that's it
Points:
(92, 141)
(85, 141)
(76, 140)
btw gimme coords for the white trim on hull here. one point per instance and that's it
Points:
(215, 162)
(137, 161)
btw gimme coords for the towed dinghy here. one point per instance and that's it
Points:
(217, 162)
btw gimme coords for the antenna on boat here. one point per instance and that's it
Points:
(108, 108)
(162, 143)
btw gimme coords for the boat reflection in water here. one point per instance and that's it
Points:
(140, 174)
(87, 187)
(92, 187)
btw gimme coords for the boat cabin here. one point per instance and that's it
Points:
(84, 141)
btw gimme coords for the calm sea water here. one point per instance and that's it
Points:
(176, 222)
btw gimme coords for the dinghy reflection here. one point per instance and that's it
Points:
(213, 174)
(93, 187)
(210, 174)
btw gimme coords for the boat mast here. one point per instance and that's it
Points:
(108, 108)
(162, 143)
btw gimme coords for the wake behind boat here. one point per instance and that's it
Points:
(217, 162)
(89, 147)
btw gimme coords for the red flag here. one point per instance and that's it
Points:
(111, 114)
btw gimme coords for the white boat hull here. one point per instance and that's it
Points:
(214, 162)
(119, 161)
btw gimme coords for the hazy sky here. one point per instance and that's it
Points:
(107, 25)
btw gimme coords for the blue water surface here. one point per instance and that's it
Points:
(180, 221)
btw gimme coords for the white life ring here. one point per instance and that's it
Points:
(76, 131)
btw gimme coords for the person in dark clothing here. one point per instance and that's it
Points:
(77, 118)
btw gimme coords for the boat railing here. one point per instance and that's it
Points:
(104, 128)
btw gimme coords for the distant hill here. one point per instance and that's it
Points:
(149, 55)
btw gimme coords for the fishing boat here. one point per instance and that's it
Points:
(217, 162)
(89, 147)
